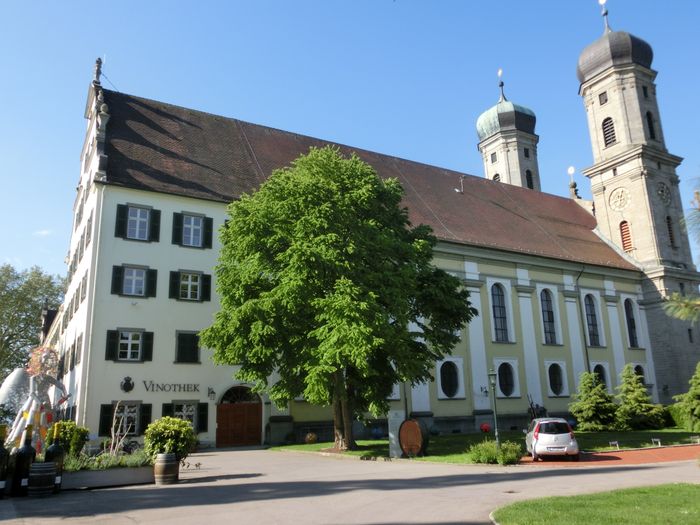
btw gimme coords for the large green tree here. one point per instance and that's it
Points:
(690, 402)
(635, 410)
(22, 297)
(326, 287)
(593, 407)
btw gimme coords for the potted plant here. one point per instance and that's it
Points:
(169, 440)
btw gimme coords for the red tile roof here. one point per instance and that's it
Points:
(170, 149)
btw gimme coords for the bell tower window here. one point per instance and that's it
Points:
(650, 126)
(609, 131)
(528, 179)
(497, 178)
(669, 226)
(626, 236)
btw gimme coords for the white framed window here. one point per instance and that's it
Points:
(602, 369)
(190, 286)
(507, 380)
(502, 330)
(137, 223)
(450, 378)
(590, 300)
(130, 346)
(192, 230)
(550, 329)
(631, 311)
(185, 410)
(134, 281)
(127, 418)
(557, 381)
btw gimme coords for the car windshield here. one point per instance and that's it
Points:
(554, 427)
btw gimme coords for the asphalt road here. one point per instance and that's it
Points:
(261, 487)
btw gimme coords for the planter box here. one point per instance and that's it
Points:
(113, 477)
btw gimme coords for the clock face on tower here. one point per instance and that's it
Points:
(619, 199)
(664, 193)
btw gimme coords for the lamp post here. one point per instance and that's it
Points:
(492, 382)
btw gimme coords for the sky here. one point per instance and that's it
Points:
(403, 77)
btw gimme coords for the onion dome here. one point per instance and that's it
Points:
(505, 116)
(614, 48)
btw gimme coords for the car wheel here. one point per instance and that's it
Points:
(535, 457)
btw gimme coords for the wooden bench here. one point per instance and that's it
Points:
(656, 441)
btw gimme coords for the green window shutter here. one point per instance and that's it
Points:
(106, 413)
(206, 288)
(151, 282)
(117, 279)
(174, 291)
(147, 348)
(208, 231)
(177, 228)
(168, 410)
(187, 348)
(144, 417)
(202, 417)
(122, 220)
(111, 353)
(154, 226)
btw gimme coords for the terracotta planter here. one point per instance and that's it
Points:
(166, 469)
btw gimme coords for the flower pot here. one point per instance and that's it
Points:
(166, 469)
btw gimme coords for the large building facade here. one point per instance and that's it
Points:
(559, 290)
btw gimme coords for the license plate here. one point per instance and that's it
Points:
(555, 449)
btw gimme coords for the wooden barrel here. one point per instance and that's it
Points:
(413, 438)
(166, 469)
(42, 477)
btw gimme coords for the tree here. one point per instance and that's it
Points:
(325, 284)
(635, 410)
(594, 408)
(22, 297)
(690, 402)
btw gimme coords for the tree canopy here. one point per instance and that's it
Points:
(327, 290)
(22, 297)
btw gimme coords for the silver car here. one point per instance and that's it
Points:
(551, 436)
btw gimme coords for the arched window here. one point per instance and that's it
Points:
(556, 379)
(626, 236)
(609, 132)
(500, 318)
(669, 226)
(599, 370)
(550, 334)
(639, 371)
(650, 125)
(592, 321)
(528, 179)
(631, 323)
(497, 177)
(449, 378)
(506, 379)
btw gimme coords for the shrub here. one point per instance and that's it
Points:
(487, 452)
(71, 437)
(689, 403)
(636, 411)
(594, 408)
(676, 415)
(105, 461)
(170, 435)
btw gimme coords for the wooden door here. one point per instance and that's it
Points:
(238, 424)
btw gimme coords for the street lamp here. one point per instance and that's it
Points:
(492, 381)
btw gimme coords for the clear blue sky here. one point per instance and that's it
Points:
(404, 77)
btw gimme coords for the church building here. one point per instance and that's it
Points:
(562, 285)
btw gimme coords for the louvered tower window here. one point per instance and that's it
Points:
(528, 179)
(669, 226)
(650, 125)
(609, 132)
(497, 177)
(626, 236)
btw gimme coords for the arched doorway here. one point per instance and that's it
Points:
(239, 418)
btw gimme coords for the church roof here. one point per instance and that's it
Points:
(164, 148)
(614, 48)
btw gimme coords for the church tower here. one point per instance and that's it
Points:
(508, 144)
(635, 189)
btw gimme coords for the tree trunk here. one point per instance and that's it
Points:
(347, 423)
(338, 421)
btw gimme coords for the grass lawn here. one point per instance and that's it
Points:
(452, 448)
(664, 504)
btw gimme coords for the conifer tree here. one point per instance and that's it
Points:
(690, 402)
(593, 408)
(635, 410)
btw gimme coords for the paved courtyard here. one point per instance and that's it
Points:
(266, 487)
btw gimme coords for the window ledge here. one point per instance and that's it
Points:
(501, 396)
(599, 347)
(187, 362)
(635, 348)
(456, 398)
(504, 342)
(553, 344)
(555, 396)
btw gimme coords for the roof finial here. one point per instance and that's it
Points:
(502, 98)
(604, 12)
(573, 189)
(98, 70)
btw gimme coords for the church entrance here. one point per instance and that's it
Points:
(239, 418)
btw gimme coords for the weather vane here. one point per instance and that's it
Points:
(500, 85)
(604, 12)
